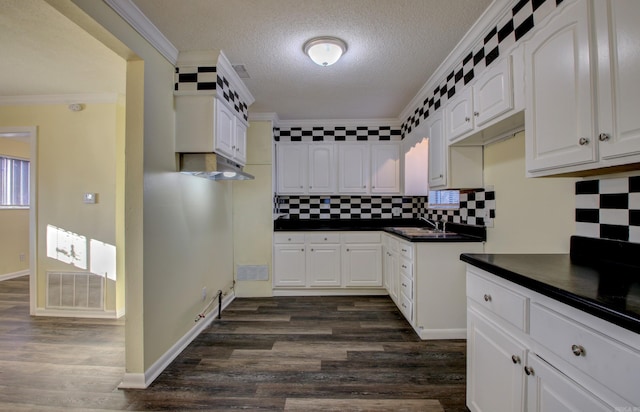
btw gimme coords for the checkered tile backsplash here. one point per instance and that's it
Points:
(204, 80)
(472, 207)
(512, 27)
(336, 133)
(609, 208)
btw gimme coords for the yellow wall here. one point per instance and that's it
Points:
(14, 235)
(533, 215)
(252, 211)
(178, 229)
(75, 155)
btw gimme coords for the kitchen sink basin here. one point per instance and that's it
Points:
(419, 231)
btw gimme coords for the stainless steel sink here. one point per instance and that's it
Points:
(419, 231)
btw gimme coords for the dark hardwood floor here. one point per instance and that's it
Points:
(265, 354)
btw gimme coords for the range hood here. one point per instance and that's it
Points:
(211, 166)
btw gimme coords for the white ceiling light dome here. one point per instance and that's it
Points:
(325, 51)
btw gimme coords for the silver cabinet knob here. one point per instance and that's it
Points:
(476, 114)
(467, 119)
(515, 359)
(578, 350)
(302, 249)
(583, 141)
(529, 371)
(440, 176)
(301, 187)
(487, 298)
(325, 238)
(347, 250)
(289, 239)
(312, 250)
(603, 137)
(404, 267)
(364, 187)
(310, 187)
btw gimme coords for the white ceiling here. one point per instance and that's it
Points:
(394, 47)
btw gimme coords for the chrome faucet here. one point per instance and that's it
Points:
(431, 222)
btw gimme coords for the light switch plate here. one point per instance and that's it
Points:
(90, 198)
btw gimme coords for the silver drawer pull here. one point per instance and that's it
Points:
(578, 350)
(529, 370)
(515, 359)
(487, 298)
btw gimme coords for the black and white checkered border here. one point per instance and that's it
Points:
(512, 27)
(336, 133)
(472, 207)
(609, 208)
(205, 79)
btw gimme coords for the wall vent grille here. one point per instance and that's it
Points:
(75, 290)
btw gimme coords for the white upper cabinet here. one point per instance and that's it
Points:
(618, 36)
(385, 168)
(560, 93)
(292, 168)
(322, 169)
(437, 152)
(204, 124)
(583, 89)
(475, 107)
(353, 168)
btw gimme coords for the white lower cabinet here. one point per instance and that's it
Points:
(526, 351)
(495, 380)
(327, 261)
(390, 266)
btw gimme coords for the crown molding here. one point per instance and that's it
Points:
(60, 99)
(490, 17)
(141, 23)
(340, 122)
(264, 117)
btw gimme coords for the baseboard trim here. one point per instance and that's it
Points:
(14, 275)
(436, 334)
(329, 292)
(75, 313)
(142, 381)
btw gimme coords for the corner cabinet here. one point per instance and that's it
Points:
(583, 89)
(528, 352)
(204, 124)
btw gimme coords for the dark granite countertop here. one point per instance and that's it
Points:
(455, 232)
(608, 291)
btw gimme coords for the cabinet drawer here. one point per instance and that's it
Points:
(361, 237)
(323, 237)
(406, 286)
(608, 361)
(503, 302)
(406, 268)
(406, 250)
(406, 307)
(288, 237)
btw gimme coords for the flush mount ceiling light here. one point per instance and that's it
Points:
(324, 51)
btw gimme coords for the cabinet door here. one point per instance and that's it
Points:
(323, 265)
(353, 168)
(495, 363)
(559, 92)
(225, 130)
(385, 168)
(289, 265)
(390, 267)
(241, 142)
(322, 169)
(493, 93)
(618, 32)
(459, 114)
(362, 265)
(437, 153)
(549, 390)
(292, 168)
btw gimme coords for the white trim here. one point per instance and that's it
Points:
(264, 117)
(141, 23)
(329, 292)
(120, 313)
(142, 381)
(14, 275)
(340, 122)
(234, 79)
(435, 334)
(59, 99)
(75, 313)
(490, 17)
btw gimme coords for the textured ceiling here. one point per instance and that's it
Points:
(43, 53)
(394, 46)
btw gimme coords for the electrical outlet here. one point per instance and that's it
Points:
(22, 257)
(204, 293)
(396, 211)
